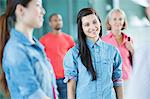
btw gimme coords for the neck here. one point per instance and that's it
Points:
(56, 32)
(116, 33)
(27, 31)
(94, 39)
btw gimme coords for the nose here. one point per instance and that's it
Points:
(43, 11)
(92, 28)
(118, 21)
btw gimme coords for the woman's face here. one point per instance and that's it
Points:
(33, 14)
(91, 26)
(116, 21)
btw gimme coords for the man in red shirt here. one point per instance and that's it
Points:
(56, 45)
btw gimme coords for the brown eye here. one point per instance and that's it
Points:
(120, 19)
(39, 5)
(114, 19)
(86, 24)
(94, 22)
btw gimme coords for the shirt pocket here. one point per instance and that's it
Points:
(107, 67)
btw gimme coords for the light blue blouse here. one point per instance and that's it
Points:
(28, 72)
(107, 64)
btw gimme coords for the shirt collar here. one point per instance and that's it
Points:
(21, 37)
(110, 35)
(91, 43)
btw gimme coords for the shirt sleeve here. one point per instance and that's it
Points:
(117, 70)
(70, 68)
(42, 41)
(23, 75)
(72, 43)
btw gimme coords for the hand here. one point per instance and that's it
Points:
(129, 46)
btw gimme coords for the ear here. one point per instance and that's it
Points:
(20, 10)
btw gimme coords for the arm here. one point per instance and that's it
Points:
(71, 86)
(117, 76)
(70, 74)
(23, 75)
(119, 92)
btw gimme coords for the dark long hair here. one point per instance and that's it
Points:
(4, 33)
(84, 51)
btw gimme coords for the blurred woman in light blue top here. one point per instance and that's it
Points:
(26, 72)
(92, 67)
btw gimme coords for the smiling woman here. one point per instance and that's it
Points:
(26, 72)
(94, 67)
(116, 21)
(91, 26)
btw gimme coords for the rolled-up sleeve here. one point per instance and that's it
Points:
(117, 70)
(23, 75)
(70, 67)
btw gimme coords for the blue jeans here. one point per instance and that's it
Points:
(62, 88)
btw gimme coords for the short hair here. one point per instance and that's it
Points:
(54, 14)
(125, 24)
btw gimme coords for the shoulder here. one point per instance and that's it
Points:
(67, 36)
(107, 37)
(44, 37)
(108, 46)
(14, 52)
(74, 51)
(126, 35)
(14, 45)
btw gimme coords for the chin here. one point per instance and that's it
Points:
(93, 36)
(39, 25)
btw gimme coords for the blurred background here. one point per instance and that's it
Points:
(138, 23)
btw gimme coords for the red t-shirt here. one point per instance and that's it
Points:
(56, 47)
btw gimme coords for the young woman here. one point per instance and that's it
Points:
(115, 23)
(26, 72)
(92, 67)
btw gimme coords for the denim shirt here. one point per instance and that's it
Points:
(28, 72)
(107, 64)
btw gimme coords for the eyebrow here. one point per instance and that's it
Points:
(88, 21)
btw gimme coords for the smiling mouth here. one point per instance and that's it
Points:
(94, 33)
